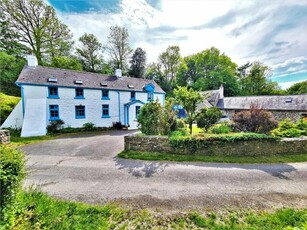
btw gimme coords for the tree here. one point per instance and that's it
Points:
(148, 118)
(138, 63)
(298, 88)
(118, 47)
(208, 117)
(207, 70)
(189, 99)
(9, 40)
(256, 119)
(256, 82)
(10, 68)
(66, 63)
(89, 52)
(170, 60)
(36, 25)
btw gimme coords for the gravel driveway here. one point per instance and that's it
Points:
(85, 168)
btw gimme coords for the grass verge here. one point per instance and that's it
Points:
(36, 210)
(221, 159)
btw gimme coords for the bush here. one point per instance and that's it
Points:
(55, 126)
(208, 117)
(220, 128)
(255, 120)
(117, 125)
(287, 128)
(11, 174)
(200, 141)
(89, 126)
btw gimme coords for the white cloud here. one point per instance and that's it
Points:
(244, 30)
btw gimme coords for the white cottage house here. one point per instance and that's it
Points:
(77, 98)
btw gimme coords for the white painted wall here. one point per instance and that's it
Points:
(92, 102)
(15, 119)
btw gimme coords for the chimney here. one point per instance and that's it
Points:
(118, 73)
(221, 91)
(32, 61)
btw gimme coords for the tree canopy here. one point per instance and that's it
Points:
(298, 88)
(138, 63)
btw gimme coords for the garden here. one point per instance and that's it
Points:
(252, 136)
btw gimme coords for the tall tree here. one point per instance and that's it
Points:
(298, 88)
(37, 25)
(138, 63)
(207, 70)
(170, 60)
(9, 40)
(66, 63)
(90, 52)
(256, 81)
(189, 99)
(118, 47)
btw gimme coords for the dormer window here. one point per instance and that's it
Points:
(288, 100)
(78, 82)
(52, 79)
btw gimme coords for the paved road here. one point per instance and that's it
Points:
(86, 168)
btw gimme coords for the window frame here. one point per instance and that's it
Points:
(78, 110)
(137, 111)
(55, 109)
(53, 96)
(150, 96)
(131, 95)
(107, 110)
(103, 97)
(79, 96)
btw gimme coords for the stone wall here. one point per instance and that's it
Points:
(4, 136)
(241, 148)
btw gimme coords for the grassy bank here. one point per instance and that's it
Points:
(220, 159)
(39, 211)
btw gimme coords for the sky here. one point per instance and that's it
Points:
(273, 32)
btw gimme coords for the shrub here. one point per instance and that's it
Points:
(117, 125)
(200, 141)
(207, 117)
(255, 120)
(11, 174)
(287, 128)
(55, 126)
(89, 126)
(220, 128)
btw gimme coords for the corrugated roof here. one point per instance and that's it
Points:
(288, 102)
(39, 75)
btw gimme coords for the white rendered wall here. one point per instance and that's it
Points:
(15, 119)
(93, 105)
(34, 123)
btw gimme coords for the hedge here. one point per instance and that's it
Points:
(201, 141)
(12, 172)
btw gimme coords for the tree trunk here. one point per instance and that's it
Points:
(190, 126)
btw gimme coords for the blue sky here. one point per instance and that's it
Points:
(273, 32)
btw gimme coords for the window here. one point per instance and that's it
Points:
(80, 111)
(79, 93)
(54, 112)
(137, 111)
(105, 94)
(105, 111)
(132, 95)
(149, 96)
(53, 92)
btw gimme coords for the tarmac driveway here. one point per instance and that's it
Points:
(85, 168)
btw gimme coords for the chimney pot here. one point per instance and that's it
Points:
(32, 61)
(118, 73)
(221, 91)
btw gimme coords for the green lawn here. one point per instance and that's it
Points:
(220, 159)
(36, 210)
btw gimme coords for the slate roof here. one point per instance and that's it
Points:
(283, 103)
(39, 76)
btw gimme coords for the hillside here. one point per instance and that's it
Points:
(7, 104)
